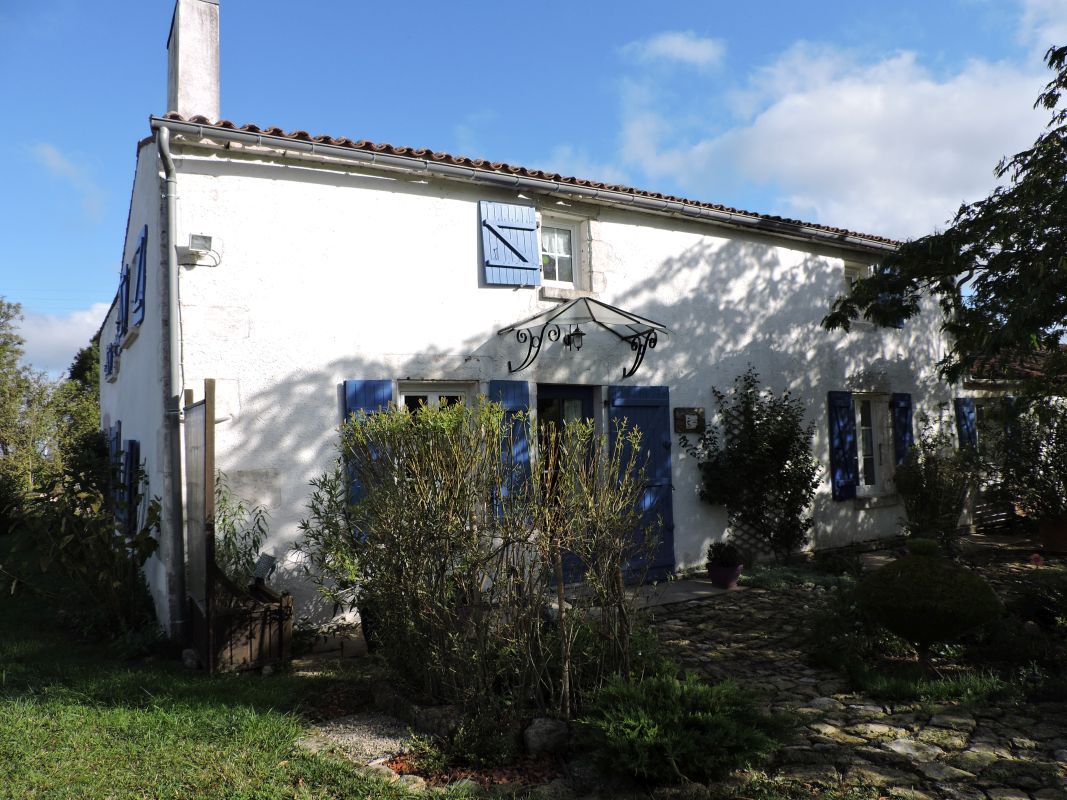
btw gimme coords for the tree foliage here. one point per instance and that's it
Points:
(998, 271)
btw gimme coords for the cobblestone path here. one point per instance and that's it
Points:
(1001, 752)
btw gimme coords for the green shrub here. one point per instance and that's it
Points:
(923, 547)
(779, 578)
(902, 687)
(758, 464)
(933, 482)
(840, 562)
(1008, 641)
(666, 730)
(724, 554)
(1042, 598)
(927, 600)
(841, 636)
(487, 737)
(457, 554)
(240, 529)
(425, 755)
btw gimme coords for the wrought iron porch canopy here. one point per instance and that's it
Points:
(637, 331)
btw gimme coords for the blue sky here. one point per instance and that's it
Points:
(881, 117)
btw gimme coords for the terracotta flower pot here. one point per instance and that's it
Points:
(724, 577)
(1053, 534)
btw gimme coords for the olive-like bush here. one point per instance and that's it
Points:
(927, 600)
(923, 547)
(666, 730)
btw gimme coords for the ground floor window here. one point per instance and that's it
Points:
(874, 464)
(870, 433)
(414, 395)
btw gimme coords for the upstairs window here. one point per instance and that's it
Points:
(558, 253)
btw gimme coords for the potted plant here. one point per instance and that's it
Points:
(725, 564)
(759, 440)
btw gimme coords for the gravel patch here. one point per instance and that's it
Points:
(361, 737)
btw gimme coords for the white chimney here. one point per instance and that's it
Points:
(193, 59)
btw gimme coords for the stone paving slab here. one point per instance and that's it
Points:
(1003, 752)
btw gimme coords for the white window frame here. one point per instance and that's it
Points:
(467, 391)
(574, 227)
(854, 270)
(882, 440)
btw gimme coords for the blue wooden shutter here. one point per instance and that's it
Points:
(966, 422)
(109, 359)
(648, 407)
(114, 443)
(141, 265)
(131, 463)
(514, 396)
(903, 438)
(510, 251)
(844, 455)
(368, 396)
(115, 465)
(122, 322)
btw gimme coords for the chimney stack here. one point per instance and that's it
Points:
(193, 59)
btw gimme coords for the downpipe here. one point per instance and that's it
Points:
(172, 400)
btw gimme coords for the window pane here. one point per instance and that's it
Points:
(563, 269)
(572, 409)
(563, 241)
(868, 476)
(549, 267)
(413, 401)
(450, 399)
(868, 471)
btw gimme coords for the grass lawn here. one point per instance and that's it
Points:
(77, 721)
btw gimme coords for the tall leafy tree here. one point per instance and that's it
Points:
(75, 404)
(998, 271)
(11, 374)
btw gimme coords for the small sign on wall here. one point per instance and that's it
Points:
(688, 420)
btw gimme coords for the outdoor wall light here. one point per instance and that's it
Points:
(574, 338)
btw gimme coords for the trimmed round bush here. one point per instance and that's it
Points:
(923, 547)
(927, 600)
(666, 730)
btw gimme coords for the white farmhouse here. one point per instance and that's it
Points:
(311, 275)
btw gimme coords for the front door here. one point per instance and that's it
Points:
(648, 407)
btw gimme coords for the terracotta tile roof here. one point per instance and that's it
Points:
(1033, 366)
(511, 169)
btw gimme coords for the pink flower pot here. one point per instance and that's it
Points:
(724, 577)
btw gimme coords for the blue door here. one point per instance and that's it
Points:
(647, 407)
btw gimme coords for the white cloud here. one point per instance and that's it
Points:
(682, 47)
(92, 196)
(52, 341)
(1044, 23)
(883, 147)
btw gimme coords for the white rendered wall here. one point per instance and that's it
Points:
(136, 396)
(326, 274)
